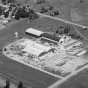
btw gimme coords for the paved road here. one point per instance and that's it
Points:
(62, 20)
(17, 71)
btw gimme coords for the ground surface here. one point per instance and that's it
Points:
(73, 10)
(16, 71)
(78, 81)
(70, 10)
(19, 71)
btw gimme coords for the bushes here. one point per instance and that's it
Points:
(54, 13)
(22, 13)
(75, 36)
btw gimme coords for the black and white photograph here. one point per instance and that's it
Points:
(43, 43)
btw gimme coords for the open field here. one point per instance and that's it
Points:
(72, 10)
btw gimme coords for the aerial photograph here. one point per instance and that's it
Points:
(43, 43)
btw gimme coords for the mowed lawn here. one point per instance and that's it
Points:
(70, 7)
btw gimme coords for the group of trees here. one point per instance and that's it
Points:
(40, 1)
(46, 9)
(3, 12)
(68, 30)
(23, 13)
(18, 11)
(52, 11)
(63, 29)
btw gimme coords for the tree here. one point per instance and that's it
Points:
(81, 1)
(20, 85)
(61, 29)
(54, 13)
(43, 10)
(32, 15)
(67, 28)
(7, 84)
(1, 11)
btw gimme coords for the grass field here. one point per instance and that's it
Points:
(71, 10)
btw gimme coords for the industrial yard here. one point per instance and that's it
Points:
(43, 44)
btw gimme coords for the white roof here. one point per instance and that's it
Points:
(34, 48)
(34, 31)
